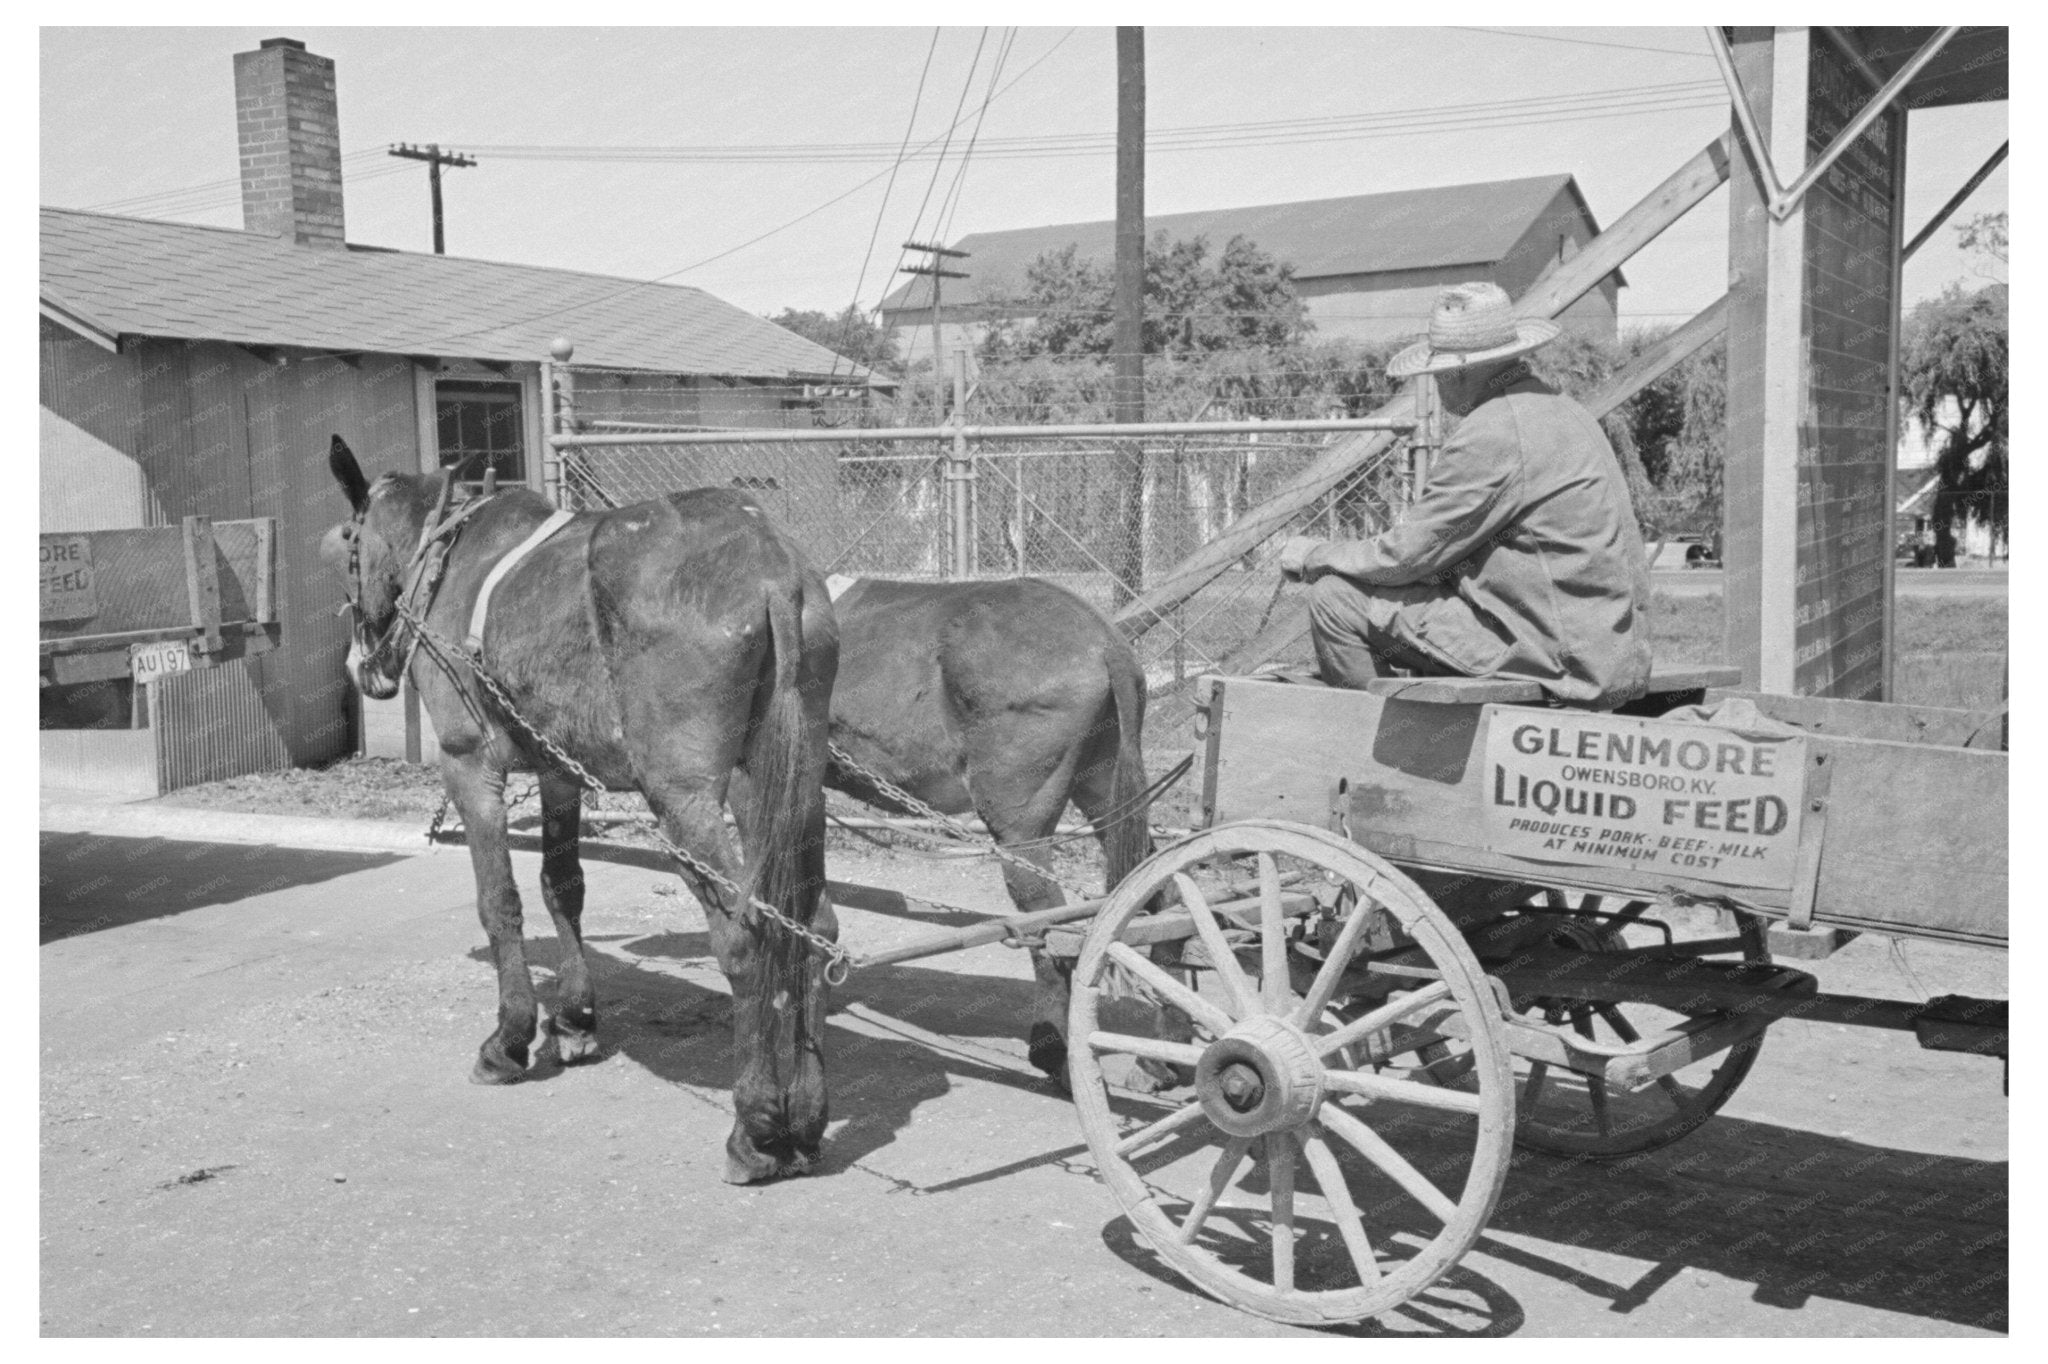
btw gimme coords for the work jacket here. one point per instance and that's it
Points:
(1526, 517)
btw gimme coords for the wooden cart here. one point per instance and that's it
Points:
(152, 600)
(1428, 921)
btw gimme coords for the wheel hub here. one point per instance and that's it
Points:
(1262, 1076)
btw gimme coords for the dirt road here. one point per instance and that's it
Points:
(256, 1120)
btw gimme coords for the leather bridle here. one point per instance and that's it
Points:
(422, 574)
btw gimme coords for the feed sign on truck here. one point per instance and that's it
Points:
(1647, 795)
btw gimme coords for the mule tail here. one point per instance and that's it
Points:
(785, 762)
(1128, 839)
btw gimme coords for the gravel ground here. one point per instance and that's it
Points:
(255, 1120)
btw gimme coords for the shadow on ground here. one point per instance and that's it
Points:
(1797, 1214)
(91, 882)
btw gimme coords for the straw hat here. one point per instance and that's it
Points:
(1471, 324)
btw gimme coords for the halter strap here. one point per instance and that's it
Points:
(475, 642)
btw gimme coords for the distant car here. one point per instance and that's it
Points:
(1916, 547)
(1704, 552)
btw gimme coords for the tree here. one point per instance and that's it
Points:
(851, 334)
(1986, 235)
(1953, 373)
(1194, 303)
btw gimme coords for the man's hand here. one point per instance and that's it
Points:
(1294, 551)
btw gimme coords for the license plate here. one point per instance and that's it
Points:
(152, 661)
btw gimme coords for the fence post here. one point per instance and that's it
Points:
(1427, 435)
(558, 408)
(960, 477)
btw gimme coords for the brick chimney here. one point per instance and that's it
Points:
(290, 133)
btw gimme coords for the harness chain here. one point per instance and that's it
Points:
(426, 572)
(839, 962)
(986, 843)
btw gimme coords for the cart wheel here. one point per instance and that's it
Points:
(1400, 1175)
(1564, 1113)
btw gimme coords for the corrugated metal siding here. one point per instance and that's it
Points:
(213, 723)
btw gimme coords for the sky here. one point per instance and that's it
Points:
(789, 195)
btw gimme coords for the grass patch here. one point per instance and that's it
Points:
(1950, 651)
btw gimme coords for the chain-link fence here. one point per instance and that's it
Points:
(1102, 513)
(1103, 517)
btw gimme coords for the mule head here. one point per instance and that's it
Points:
(371, 552)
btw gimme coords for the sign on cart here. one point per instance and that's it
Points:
(1647, 795)
(152, 662)
(67, 584)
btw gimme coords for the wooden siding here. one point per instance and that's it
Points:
(217, 431)
(84, 483)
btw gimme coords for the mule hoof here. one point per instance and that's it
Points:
(1048, 1051)
(489, 1072)
(571, 1045)
(1156, 1077)
(576, 1047)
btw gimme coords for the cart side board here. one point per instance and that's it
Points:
(1914, 833)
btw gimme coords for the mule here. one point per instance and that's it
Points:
(680, 647)
(1009, 698)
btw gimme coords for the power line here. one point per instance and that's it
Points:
(1582, 42)
(1448, 117)
(1468, 116)
(636, 284)
(916, 102)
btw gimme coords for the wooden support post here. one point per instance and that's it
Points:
(1127, 557)
(266, 570)
(202, 588)
(1744, 498)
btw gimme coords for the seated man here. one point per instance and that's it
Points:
(1521, 557)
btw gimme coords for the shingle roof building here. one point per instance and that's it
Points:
(118, 276)
(1474, 225)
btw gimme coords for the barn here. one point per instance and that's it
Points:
(1367, 265)
(189, 370)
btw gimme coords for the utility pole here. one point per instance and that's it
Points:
(959, 466)
(1128, 377)
(930, 266)
(435, 159)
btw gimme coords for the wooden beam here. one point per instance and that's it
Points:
(1660, 357)
(202, 584)
(1955, 201)
(1557, 290)
(1248, 531)
(1565, 282)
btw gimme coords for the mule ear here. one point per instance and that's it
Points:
(342, 461)
(447, 492)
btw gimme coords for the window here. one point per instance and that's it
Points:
(482, 420)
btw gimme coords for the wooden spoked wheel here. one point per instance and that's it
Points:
(1292, 1182)
(1562, 1112)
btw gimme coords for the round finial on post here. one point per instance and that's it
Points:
(561, 349)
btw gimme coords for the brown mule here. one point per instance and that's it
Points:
(681, 647)
(1009, 698)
